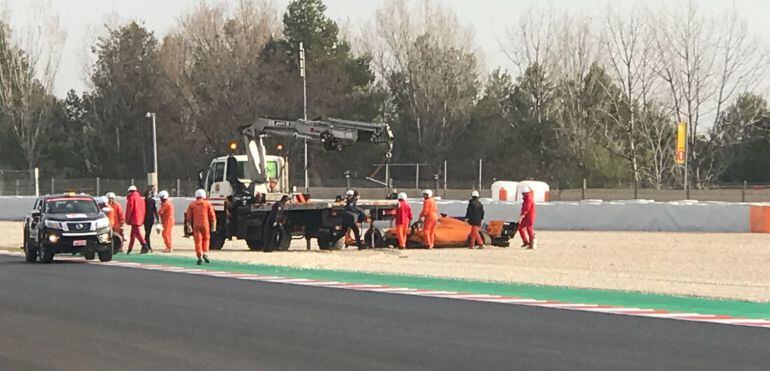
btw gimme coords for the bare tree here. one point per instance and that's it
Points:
(629, 48)
(27, 79)
(706, 62)
(430, 63)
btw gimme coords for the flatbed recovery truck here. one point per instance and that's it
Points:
(242, 189)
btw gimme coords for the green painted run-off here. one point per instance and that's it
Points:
(569, 295)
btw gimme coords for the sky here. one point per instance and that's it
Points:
(82, 20)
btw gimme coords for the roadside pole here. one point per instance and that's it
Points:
(417, 176)
(445, 177)
(304, 105)
(480, 168)
(37, 182)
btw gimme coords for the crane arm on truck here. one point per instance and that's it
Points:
(333, 134)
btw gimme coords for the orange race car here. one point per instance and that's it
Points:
(450, 232)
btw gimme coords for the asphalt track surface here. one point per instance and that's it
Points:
(70, 316)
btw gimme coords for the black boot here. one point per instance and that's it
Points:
(206, 259)
(144, 249)
(199, 261)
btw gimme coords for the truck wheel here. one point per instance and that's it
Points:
(337, 245)
(105, 255)
(217, 241)
(46, 256)
(325, 243)
(254, 245)
(284, 243)
(89, 255)
(30, 252)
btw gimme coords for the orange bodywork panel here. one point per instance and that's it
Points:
(449, 232)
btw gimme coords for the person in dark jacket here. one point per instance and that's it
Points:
(353, 216)
(474, 215)
(274, 224)
(150, 216)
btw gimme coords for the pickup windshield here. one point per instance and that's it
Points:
(70, 206)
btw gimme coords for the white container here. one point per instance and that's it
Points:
(504, 190)
(539, 189)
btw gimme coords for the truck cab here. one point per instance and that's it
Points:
(220, 179)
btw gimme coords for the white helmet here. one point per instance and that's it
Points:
(200, 193)
(475, 194)
(163, 194)
(350, 193)
(428, 193)
(132, 188)
(110, 195)
(102, 200)
(402, 196)
(526, 189)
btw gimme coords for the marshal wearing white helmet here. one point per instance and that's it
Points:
(429, 218)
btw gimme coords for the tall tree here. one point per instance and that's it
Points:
(29, 64)
(126, 79)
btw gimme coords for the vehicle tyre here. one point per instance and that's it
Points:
(89, 255)
(105, 255)
(217, 241)
(284, 243)
(117, 243)
(323, 243)
(377, 239)
(46, 256)
(30, 251)
(254, 245)
(484, 237)
(337, 245)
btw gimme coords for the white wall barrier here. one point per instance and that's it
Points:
(638, 215)
(16, 208)
(621, 215)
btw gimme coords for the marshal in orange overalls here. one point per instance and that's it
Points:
(429, 216)
(166, 214)
(200, 215)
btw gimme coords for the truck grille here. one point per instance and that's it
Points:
(79, 227)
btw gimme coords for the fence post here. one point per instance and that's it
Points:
(480, 167)
(53, 182)
(388, 182)
(178, 184)
(445, 168)
(98, 186)
(17, 187)
(37, 184)
(417, 176)
(132, 181)
(743, 191)
(583, 190)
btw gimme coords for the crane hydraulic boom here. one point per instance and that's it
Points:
(333, 134)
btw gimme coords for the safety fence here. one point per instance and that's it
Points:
(686, 216)
(22, 183)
